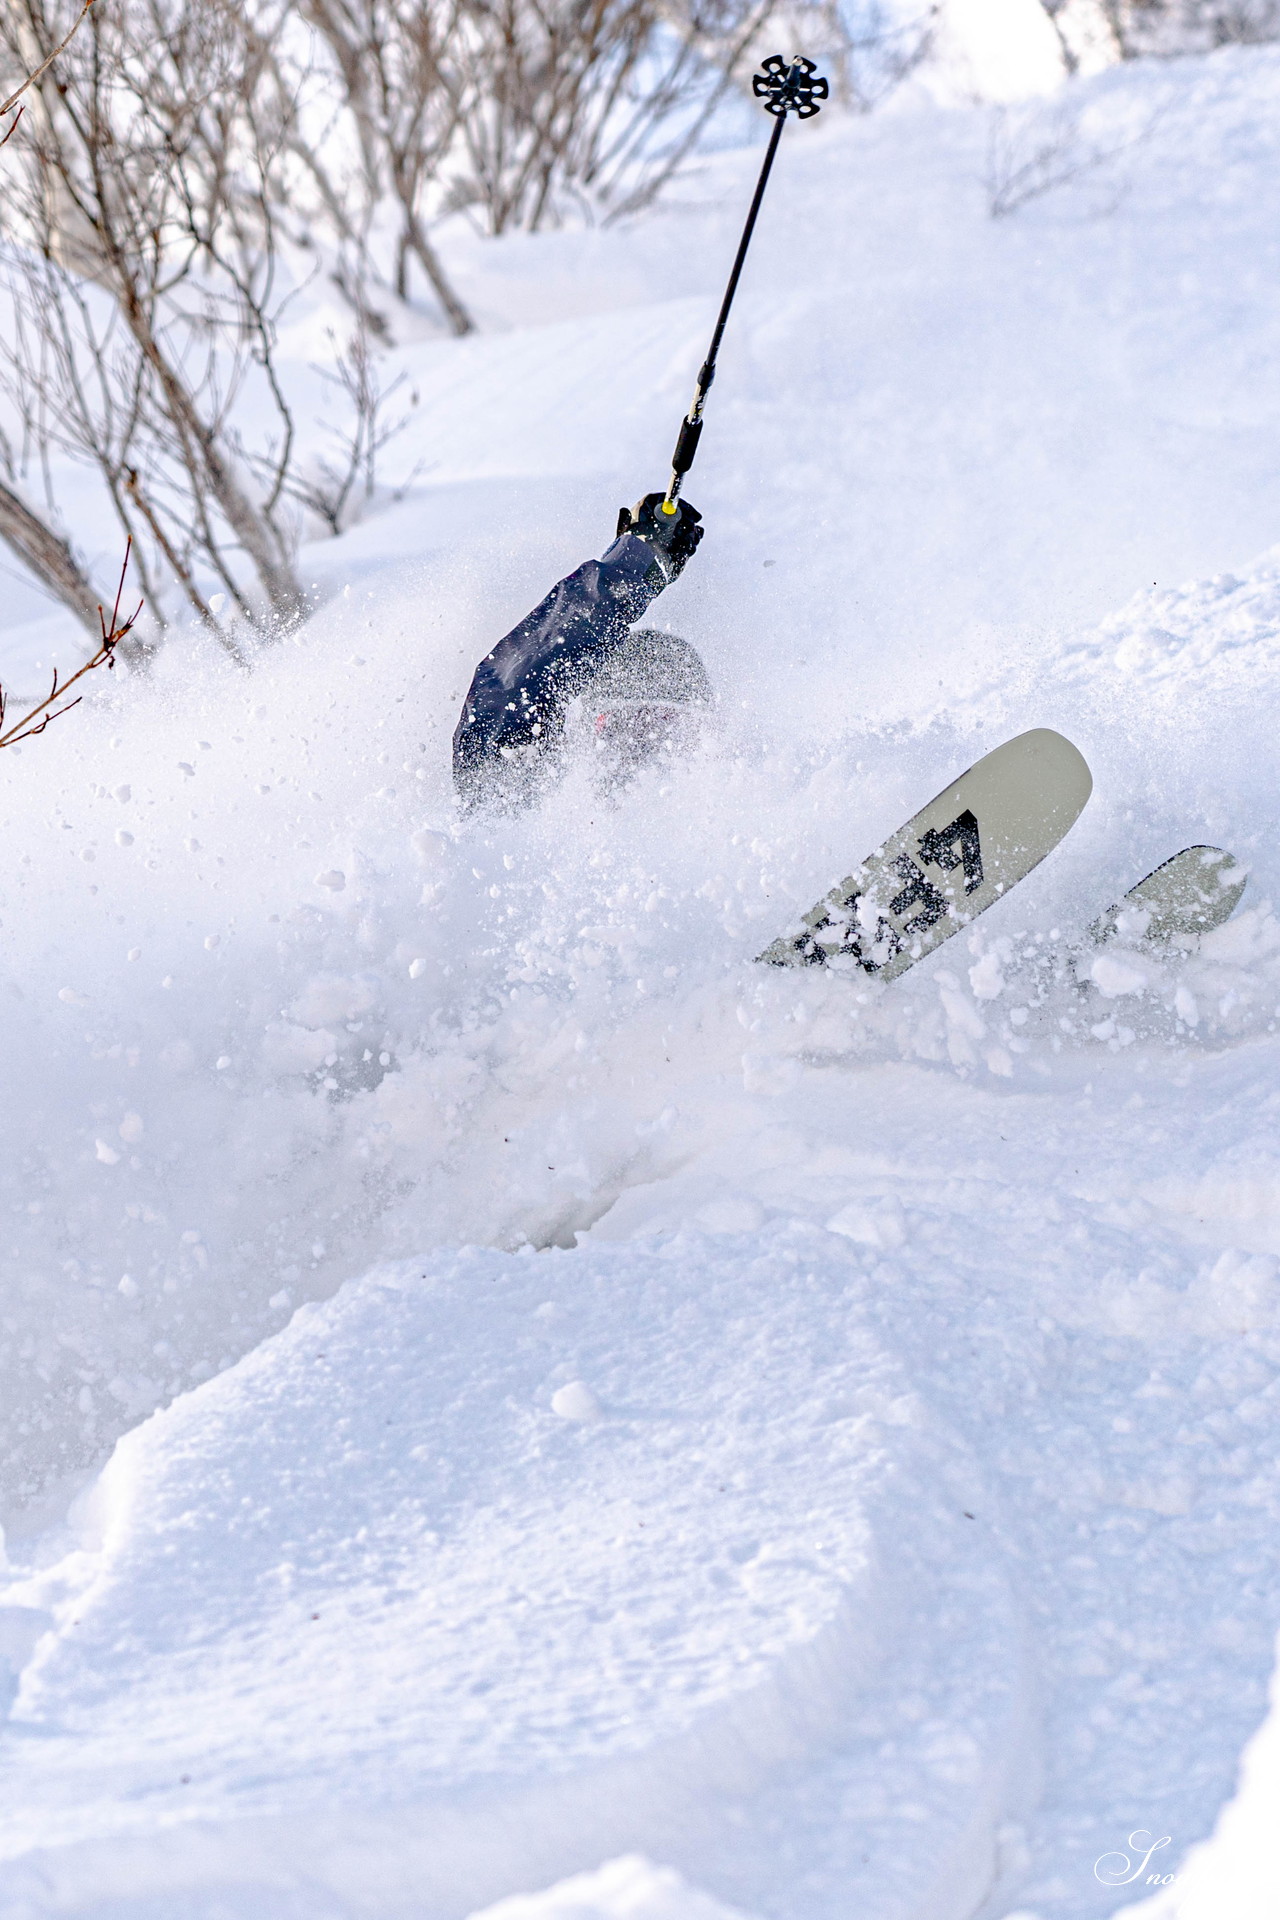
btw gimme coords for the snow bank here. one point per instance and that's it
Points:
(380, 1607)
(956, 1480)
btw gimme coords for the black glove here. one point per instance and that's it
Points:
(673, 536)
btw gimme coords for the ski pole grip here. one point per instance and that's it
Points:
(686, 446)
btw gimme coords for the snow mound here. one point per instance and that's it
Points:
(371, 1569)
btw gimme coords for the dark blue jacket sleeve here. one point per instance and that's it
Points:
(521, 689)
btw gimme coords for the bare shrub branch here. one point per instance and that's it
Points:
(1033, 150)
(1166, 28)
(142, 264)
(388, 54)
(37, 718)
(7, 106)
(563, 103)
(868, 46)
(326, 486)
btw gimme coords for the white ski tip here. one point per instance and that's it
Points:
(956, 858)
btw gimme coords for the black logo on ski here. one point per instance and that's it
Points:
(939, 847)
(810, 950)
(918, 892)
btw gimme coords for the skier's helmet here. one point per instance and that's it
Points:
(651, 695)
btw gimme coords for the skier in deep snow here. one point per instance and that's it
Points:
(576, 654)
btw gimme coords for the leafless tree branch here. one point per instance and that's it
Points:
(7, 106)
(37, 718)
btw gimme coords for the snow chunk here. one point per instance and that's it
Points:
(293, 1049)
(431, 846)
(1171, 1496)
(986, 977)
(1113, 977)
(629, 1888)
(575, 1402)
(882, 1227)
(332, 997)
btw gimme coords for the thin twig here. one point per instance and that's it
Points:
(31, 724)
(43, 68)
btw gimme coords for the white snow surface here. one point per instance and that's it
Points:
(509, 1407)
(1232, 1876)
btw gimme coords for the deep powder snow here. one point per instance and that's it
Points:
(797, 1444)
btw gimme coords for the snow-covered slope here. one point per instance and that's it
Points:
(807, 1443)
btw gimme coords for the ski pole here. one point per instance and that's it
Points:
(785, 87)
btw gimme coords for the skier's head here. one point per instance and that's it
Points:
(650, 695)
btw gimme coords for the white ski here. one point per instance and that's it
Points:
(1189, 894)
(958, 856)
